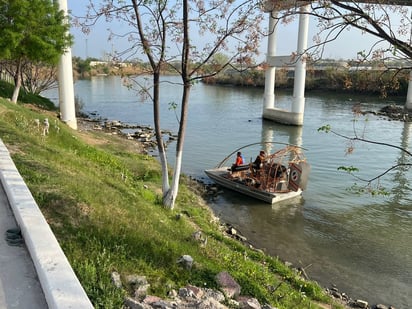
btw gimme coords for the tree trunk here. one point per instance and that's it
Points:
(170, 198)
(158, 132)
(17, 83)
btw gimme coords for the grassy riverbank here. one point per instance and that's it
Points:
(101, 196)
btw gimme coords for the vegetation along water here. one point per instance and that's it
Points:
(360, 243)
(101, 196)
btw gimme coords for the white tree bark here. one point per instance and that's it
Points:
(170, 197)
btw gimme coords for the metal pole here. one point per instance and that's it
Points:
(66, 89)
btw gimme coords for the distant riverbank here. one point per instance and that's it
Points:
(371, 82)
(332, 77)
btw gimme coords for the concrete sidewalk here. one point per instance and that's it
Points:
(19, 284)
(36, 273)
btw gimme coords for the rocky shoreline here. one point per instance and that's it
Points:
(196, 297)
(143, 134)
(389, 112)
(228, 294)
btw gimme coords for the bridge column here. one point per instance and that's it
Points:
(408, 104)
(298, 105)
(294, 116)
(65, 79)
(269, 96)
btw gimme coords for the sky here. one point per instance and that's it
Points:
(96, 43)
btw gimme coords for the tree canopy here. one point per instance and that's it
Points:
(31, 31)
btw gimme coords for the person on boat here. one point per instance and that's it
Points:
(239, 161)
(258, 163)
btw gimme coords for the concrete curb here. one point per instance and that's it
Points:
(60, 285)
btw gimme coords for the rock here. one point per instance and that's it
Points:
(209, 303)
(241, 238)
(136, 280)
(380, 306)
(150, 299)
(164, 305)
(229, 286)
(361, 303)
(186, 293)
(186, 261)
(134, 304)
(249, 303)
(141, 290)
(116, 280)
(197, 292)
(345, 297)
(336, 294)
(217, 295)
(172, 293)
(157, 302)
(197, 235)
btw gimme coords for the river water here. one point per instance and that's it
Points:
(361, 244)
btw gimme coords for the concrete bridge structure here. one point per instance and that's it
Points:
(294, 116)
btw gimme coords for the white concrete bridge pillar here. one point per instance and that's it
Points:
(65, 79)
(298, 105)
(294, 116)
(408, 104)
(269, 96)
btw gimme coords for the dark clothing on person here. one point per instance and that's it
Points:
(257, 164)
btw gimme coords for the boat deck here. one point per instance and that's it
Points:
(224, 178)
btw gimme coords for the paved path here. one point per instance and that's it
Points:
(19, 285)
(35, 274)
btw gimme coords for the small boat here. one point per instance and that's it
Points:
(281, 176)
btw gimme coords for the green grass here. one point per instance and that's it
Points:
(101, 199)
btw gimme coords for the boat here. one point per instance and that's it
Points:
(281, 176)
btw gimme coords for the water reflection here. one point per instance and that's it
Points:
(401, 190)
(278, 132)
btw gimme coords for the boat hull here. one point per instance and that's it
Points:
(218, 176)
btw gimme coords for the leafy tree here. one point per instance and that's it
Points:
(31, 31)
(82, 66)
(164, 32)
